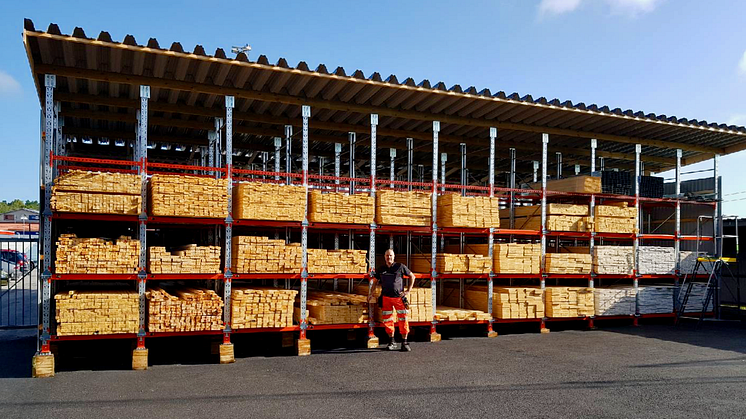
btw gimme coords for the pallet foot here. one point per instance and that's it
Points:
(435, 337)
(373, 343)
(303, 346)
(140, 359)
(491, 334)
(544, 330)
(288, 340)
(42, 365)
(226, 353)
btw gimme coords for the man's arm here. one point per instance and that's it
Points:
(411, 276)
(370, 290)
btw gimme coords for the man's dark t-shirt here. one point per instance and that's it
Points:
(391, 279)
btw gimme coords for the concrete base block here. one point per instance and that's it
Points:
(435, 337)
(303, 346)
(373, 343)
(492, 334)
(544, 330)
(226, 353)
(140, 359)
(42, 365)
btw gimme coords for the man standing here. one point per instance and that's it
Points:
(391, 277)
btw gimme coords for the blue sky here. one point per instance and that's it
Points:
(676, 57)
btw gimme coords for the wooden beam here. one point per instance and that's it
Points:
(112, 77)
(269, 119)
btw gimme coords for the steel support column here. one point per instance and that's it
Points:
(592, 241)
(433, 249)
(636, 243)
(278, 146)
(306, 114)
(491, 237)
(142, 170)
(228, 274)
(50, 82)
(512, 186)
(544, 145)
(289, 152)
(352, 137)
(372, 242)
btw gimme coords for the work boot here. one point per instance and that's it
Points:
(392, 344)
(405, 347)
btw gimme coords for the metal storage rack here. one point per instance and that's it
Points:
(518, 116)
(141, 164)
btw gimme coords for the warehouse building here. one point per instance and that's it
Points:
(293, 182)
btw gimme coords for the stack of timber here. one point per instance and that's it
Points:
(268, 201)
(614, 260)
(453, 314)
(517, 303)
(96, 256)
(97, 193)
(420, 303)
(696, 298)
(579, 184)
(184, 310)
(254, 254)
(656, 299)
(455, 210)
(188, 196)
(344, 261)
(619, 218)
(560, 217)
(689, 261)
(413, 208)
(516, 258)
(334, 308)
(81, 312)
(184, 260)
(656, 260)
(508, 258)
(507, 302)
(449, 263)
(335, 207)
(260, 307)
(568, 263)
(569, 302)
(614, 301)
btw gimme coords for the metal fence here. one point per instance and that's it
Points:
(19, 279)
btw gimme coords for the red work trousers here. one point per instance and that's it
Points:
(394, 306)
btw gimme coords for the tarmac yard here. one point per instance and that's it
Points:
(620, 371)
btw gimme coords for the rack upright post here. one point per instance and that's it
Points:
(434, 336)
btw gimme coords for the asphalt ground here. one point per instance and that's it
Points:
(616, 371)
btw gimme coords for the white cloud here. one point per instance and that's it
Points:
(626, 7)
(632, 7)
(8, 85)
(556, 7)
(739, 119)
(742, 64)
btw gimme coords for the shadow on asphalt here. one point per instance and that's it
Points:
(16, 351)
(727, 336)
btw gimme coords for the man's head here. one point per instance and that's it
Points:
(389, 257)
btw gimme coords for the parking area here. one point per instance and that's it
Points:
(648, 371)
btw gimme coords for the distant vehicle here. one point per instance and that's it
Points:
(14, 263)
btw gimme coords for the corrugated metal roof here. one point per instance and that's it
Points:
(98, 78)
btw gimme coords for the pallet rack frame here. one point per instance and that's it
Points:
(53, 146)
